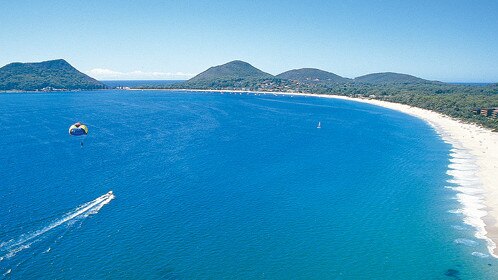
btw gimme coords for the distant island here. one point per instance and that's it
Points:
(50, 75)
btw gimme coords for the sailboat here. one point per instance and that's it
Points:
(319, 125)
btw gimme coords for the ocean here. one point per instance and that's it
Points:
(226, 186)
(139, 83)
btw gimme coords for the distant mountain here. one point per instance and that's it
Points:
(240, 75)
(47, 75)
(312, 75)
(232, 70)
(390, 78)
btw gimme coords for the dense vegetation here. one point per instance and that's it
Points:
(47, 75)
(390, 78)
(312, 75)
(456, 101)
(234, 70)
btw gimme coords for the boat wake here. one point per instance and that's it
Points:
(11, 248)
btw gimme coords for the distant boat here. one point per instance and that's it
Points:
(319, 125)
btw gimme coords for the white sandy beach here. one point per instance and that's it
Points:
(473, 164)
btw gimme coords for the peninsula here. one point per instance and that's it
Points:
(45, 76)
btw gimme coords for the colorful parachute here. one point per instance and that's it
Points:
(78, 129)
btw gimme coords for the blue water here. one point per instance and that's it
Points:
(225, 186)
(139, 83)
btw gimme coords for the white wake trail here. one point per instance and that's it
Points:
(14, 246)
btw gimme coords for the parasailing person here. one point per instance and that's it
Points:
(78, 129)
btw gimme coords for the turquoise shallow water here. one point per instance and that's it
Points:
(226, 186)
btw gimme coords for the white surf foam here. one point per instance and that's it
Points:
(467, 190)
(457, 227)
(464, 241)
(462, 160)
(480, 255)
(463, 171)
(466, 183)
(12, 247)
(462, 166)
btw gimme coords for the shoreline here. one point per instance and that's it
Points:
(473, 166)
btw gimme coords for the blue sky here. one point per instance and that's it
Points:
(452, 41)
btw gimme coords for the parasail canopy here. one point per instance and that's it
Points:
(78, 129)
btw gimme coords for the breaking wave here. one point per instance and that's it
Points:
(463, 172)
(480, 255)
(466, 242)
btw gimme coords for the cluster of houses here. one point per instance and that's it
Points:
(486, 112)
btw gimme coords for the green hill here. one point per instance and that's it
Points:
(390, 78)
(235, 74)
(232, 70)
(305, 75)
(47, 75)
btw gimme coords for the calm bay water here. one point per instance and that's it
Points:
(225, 186)
(139, 83)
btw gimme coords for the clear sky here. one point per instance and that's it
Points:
(452, 41)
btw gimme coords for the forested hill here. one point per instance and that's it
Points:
(390, 78)
(48, 75)
(312, 75)
(232, 70)
(240, 74)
